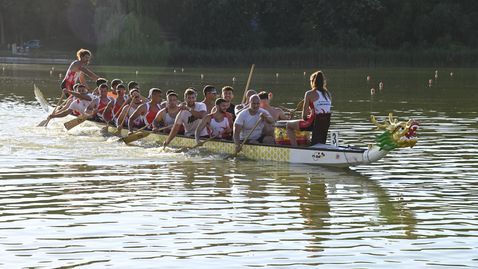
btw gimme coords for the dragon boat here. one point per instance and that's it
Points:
(395, 134)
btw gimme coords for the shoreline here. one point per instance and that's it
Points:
(31, 60)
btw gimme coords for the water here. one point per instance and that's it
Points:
(79, 199)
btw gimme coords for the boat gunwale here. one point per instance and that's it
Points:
(339, 148)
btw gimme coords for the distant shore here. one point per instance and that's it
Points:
(32, 60)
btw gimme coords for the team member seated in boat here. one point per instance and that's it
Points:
(80, 102)
(319, 101)
(132, 104)
(76, 69)
(275, 112)
(238, 108)
(246, 120)
(146, 111)
(165, 102)
(218, 124)
(189, 117)
(167, 115)
(99, 81)
(117, 104)
(114, 84)
(210, 94)
(227, 94)
(134, 85)
(100, 105)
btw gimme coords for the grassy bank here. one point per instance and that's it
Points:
(284, 57)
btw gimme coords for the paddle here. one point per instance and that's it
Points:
(245, 140)
(139, 134)
(197, 145)
(79, 120)
(44, 123)
(40, 98)
(248, 83)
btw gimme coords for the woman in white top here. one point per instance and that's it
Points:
(318, 101)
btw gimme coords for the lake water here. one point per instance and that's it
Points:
(79, 199)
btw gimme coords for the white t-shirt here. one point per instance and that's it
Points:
(190, 122)
(80, 105)
(247, 121)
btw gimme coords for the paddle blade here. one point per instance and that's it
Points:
(135, 136)
(74, 122)
(43, 123)
(41, 99)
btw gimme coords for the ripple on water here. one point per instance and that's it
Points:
(80, 199)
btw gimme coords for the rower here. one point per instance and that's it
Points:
(246, 120)
(210, 94)
(189, 117)
(165, 102)
(275, 112)
(114, 84)
(238, 108)
(100, 105)
(218, 124)
(80, 102)
(146, 111)
(132, 103)
(167, 115)
(227, 93)
(116, 104)
(319, 101)
(99, 81)
(76, 69)
(134, 85)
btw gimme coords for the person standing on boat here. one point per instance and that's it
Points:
(247, 119)
(147, 111)
(167, 115)
(218, 124)
(318, 100)
(189, 117)
(76, 69)
(210, 93)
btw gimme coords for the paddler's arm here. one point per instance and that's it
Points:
(174, 131)
(267, 117)
(305, 107)
(140, 110)
(78, 95)
(237, 135)
(197, 114)
(89, 73)
(201, 126)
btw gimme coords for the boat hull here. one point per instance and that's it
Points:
(318, 155)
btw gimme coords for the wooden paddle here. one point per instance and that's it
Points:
(79, 120)
(197, 145)
(75, 122)
(139, 134)
(44, 123)
(248, 83)
(245, 140)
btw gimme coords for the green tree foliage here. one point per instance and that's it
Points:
(131, 28)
